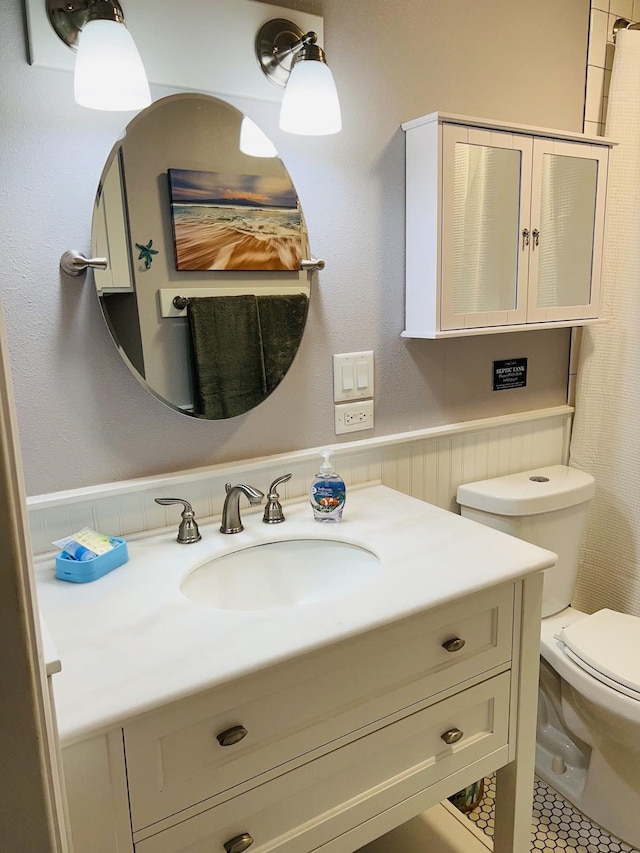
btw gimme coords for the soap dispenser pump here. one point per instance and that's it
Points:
(328, 492)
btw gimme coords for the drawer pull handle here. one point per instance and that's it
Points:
(454, 644)
(452, 736)
(239, 843)
(231, 736)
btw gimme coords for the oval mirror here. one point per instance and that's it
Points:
(204, 295)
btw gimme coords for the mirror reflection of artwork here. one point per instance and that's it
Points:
(234, 222)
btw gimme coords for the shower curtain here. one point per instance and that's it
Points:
(606, 434)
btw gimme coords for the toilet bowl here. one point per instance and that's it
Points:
(588, 732)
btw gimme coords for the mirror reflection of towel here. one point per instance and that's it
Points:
(227, 355)
(282, 320)
(242, 347)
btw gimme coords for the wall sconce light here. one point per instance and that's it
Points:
(291, 59)
(109, 74)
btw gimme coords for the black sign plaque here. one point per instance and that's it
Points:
(511, 373)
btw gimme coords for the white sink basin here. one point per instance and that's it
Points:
(280, 574)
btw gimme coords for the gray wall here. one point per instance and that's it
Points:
(85, 420)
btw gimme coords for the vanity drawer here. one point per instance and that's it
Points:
(305, 706)
(309, 806)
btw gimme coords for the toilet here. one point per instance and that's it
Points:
(588, 732)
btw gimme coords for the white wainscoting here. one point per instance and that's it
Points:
(428, 464)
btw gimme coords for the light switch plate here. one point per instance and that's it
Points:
(352, 376)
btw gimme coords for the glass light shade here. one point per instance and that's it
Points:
(109, 73)
(254, 141)
(310, 106)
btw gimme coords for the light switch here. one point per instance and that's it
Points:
(347, 377)
(352, 376)
(362, 372)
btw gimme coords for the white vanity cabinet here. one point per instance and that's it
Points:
(325, 751)
(189, 728)
(504, 226)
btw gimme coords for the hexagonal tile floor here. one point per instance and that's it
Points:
(557, 825)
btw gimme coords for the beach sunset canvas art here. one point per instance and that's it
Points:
(234, 222)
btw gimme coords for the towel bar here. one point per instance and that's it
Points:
(181, 302)
(173, 301)
(308, 264)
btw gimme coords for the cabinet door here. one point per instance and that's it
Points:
(567, 225)
(485, 208)
(111, 235)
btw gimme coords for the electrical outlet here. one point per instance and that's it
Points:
(351, 417)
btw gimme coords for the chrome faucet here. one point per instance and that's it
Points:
(231, 522)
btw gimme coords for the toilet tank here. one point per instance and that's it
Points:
(547, 507)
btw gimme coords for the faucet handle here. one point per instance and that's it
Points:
(188, 530)
(273, 513)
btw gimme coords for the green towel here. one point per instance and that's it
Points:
(227, 355)
(282, 320)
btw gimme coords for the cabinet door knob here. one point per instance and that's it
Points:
(525, 238)
(230, 736)
(454, 644)
(452, 736)
(239, 843)
(536, 238)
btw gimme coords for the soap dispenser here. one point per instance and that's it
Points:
(328, 492)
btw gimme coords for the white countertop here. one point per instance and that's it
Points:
(131, 641)
(50, 656)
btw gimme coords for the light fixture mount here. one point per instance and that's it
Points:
(68, 17)
(279, 44)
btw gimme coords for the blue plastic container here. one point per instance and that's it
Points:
(68, 569)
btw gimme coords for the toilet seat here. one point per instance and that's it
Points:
(599, 676)
(605, 645)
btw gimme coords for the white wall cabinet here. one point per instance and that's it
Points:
(331, 749)
(504, 227)
(111, 238)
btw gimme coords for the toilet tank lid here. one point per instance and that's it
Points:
(529, 492)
